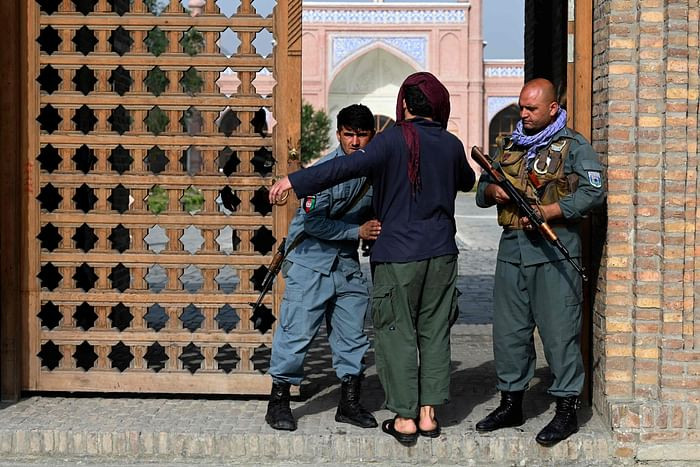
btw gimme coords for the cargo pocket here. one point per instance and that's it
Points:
(382, 307)
(573, 287)
(454, 309)
(293, 317)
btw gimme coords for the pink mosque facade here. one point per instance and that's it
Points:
(361, 52)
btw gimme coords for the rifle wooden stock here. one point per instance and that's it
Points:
(524, 206)
(272, 270)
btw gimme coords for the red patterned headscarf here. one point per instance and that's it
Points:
(439, 99)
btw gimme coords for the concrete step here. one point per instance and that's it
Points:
(455, 447)
(232, 430)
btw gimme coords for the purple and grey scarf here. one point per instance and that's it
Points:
(535, 142)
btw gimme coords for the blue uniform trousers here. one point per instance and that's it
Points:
(308, 297)
(548, 296)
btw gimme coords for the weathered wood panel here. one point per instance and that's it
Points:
(153, 137)
(10, 141)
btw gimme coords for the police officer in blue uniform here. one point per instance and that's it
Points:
(416, 169)
(323, 279)
(559, 171)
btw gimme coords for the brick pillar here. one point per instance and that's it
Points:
(646, 327)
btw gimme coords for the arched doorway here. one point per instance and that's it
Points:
(372, 79)
(502, 124)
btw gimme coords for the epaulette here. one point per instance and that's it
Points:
(573, 134)
(581, 140)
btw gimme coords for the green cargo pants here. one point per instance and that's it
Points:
(547, 296)
(413, 306)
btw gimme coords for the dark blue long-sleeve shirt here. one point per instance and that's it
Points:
(414, 227)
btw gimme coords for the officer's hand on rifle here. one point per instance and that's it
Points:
(547, 211)
(496, 194)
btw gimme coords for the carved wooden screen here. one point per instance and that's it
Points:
(157, 134)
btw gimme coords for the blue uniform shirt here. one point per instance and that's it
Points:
(417, 227)
(330, 235)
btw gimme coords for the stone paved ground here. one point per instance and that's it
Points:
(178, 430)
(477, 237)
(475, 282)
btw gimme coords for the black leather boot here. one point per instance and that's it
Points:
(564, 423)
(279, 415)
(509, 413)
(349, 408)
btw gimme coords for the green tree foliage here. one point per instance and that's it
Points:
(315, 128)
(192, 200)
(157, 199)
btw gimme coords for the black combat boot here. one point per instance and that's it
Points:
(279, 415)
(509, 413)
(564, 423)
(349, 408)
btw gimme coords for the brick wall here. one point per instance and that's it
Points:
(647, 309)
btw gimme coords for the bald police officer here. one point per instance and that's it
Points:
(323, 279)
(558, 170)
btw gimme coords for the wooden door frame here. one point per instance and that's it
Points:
(579, 94)
(11, 138)
(544, 46)
(580, 71)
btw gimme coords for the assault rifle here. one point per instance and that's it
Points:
(533, 214)
(262, 316)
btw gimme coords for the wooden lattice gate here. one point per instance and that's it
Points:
(152, 136)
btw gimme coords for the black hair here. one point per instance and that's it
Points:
(416, 102)
(356, 117)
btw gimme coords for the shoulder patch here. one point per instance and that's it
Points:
(595, 179)
(308, 203)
